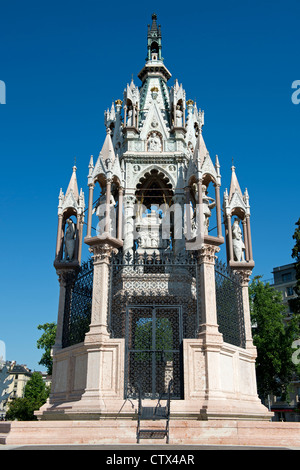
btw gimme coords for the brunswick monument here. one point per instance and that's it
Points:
(154, 303)
(153, 315)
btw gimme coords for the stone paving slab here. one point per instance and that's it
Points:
(141, 448)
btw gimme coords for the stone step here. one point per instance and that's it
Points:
(107, 431)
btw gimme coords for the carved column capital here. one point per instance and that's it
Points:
(65, 276)
(207, 253)
(102, 253)
(244, 275)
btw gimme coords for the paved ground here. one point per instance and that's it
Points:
(135, 448)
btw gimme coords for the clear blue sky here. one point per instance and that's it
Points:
(63, 62)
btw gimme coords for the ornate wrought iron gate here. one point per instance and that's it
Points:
(153, 350)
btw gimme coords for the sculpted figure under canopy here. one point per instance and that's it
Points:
(237, 242)
(208, 204)
(179, 115)
(100, 210)
(70, 240)
(154, 143)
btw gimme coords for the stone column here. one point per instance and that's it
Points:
(200, 214)
(90, 210)
(59, 237)
(101, 260)
(107, 208)
(80, 230)
(249, 238)
(244, 274)
(230, 245)
(129, 201)
(64, 275)
(187, 212)
(211, 339)
(105, 355)
(120, 214)
(244, 222)
(208, 321)
(218, 209)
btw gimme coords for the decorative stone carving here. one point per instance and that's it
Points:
(149, 231)
(102, 252)
(237, 242)
(100, 210)
(179, 115)
(207, 253)
(70, 236)
(208, 204)
(154, 142)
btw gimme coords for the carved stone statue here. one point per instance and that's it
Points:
(237, 242)
(208, 204)
(154, 143)
(179, 115)
(130, 117)
(101, 213)
(70, 240)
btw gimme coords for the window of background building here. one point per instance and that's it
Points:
(289, 291)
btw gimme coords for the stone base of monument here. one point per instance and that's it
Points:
(182, 432)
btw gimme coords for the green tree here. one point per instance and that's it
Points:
(46, 342)
(35, 395)
(273, 339)
(295, 303)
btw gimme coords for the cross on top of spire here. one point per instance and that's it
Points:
(154, 24)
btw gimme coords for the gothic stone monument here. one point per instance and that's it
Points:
(154, 303)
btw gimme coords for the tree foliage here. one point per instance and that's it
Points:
(273, 338)
(46, 342)
(295, 303)
(35, 395)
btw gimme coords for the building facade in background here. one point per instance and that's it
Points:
(284, 280)
(13, 379)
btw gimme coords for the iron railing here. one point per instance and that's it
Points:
(78, 305)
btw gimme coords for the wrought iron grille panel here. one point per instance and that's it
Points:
(165, 282)
(230, 314)
(153, 351)
(78, 305)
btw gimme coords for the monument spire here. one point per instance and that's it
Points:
(154, 60)
(154, 40)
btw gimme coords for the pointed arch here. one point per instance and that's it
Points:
(154, 187)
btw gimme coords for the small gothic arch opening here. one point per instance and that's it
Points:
(154, 50)
(237, 224)
(107, 207)
(129, 118)
(154, 189)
